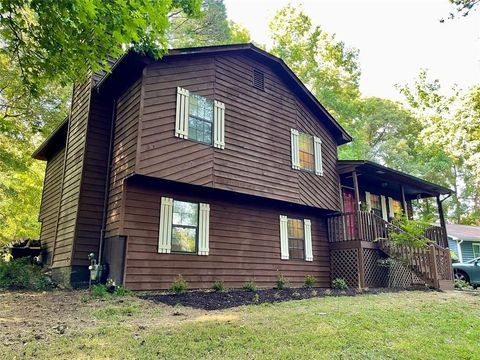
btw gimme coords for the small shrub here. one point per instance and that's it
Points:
(339, 284)
(411, 234)
(22, 274)
(462, 285)
(314, 293)
(276, 296)
(310, 280)
(296, 294)
(179, 285)
(327, 292)
(282, 282)
(250, 286)
(99, 291)
(121, 291)
(256, 298)
(218, 286)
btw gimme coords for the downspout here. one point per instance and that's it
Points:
(459, 248)
(107, 182)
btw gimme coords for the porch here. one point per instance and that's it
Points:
(362, 253)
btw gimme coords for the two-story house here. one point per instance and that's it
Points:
(216, 163)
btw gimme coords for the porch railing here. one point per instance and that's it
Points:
(366, 226)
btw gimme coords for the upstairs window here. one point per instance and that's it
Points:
(307, 156)
(306, 152)
(200, 119)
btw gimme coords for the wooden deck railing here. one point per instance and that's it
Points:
(437, 234)
(432, 262)
(360, 225)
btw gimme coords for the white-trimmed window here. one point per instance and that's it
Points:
(306, 152)
(184, 227)
(295, 238)
(476, 250)
(200, 119)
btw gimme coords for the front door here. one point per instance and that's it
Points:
(349, 207)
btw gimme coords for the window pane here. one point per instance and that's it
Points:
(296, 239)
(307, 158)
(184, 239)
(200, 119)
(295, 228)
(397, 207)
(185, 213)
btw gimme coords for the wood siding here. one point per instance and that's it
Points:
(244, 242)
(52, 187)
(124, 153)
(256, 159)
(70, 193)
(90, 210)
(161, 154)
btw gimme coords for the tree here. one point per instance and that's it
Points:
(450, 124)
(462, 7)
(212, 27)
(328, 68)
(58, 40)
(25, 120)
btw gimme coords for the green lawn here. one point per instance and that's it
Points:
(407, 325)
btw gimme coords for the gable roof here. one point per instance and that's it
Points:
(464, 232)
(54, 142)
(130, 66)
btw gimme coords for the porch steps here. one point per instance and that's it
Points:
(350, 234)
(431, 263)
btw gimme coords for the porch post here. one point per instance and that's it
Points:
(355, 189)
(404, 202)
(441, 216)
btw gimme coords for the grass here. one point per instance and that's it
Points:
(407, 325)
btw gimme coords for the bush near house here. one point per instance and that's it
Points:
(21, 274)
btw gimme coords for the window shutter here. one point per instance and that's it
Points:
(284, 237)
(318, 156)
(384, 207)
(390, 208)
(165, 230)
(219, 125)
(308, 240)
(181, 114)
(204, 229)
(368, 200)
(295, 149)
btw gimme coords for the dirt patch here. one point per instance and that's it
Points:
(28, 316)
(211, 300)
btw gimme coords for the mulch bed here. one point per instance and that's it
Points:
(213, 300)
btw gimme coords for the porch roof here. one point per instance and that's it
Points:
(391, 180)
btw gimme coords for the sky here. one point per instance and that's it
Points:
(396, 38)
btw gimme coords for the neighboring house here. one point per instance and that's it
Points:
(464, 240)
(217, 163)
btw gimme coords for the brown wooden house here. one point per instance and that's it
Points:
(215, 163)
